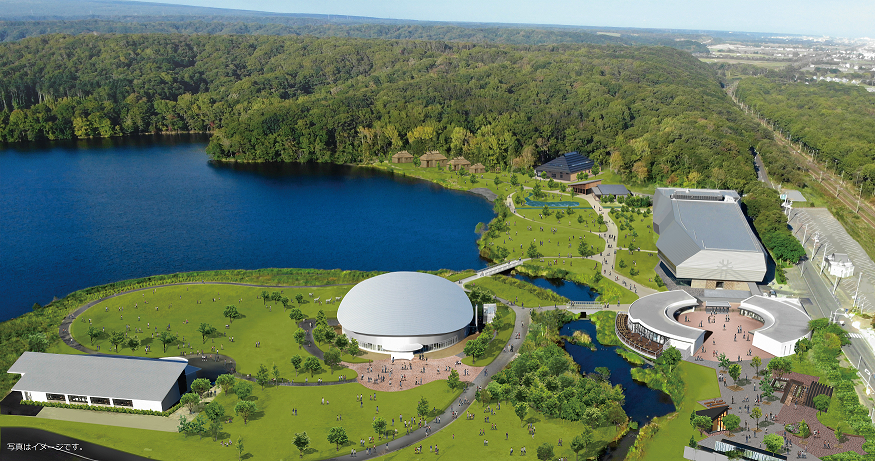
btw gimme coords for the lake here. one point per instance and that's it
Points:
(84, 213)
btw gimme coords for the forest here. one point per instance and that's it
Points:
(835, 120)
(650, 113)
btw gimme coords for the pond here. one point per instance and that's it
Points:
(571, 290)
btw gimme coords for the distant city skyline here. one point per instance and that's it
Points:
(837, 18)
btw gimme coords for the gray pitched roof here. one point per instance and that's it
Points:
(571, 162)
(794, 195)
(97, 375)
(611, 189)
(405, 304)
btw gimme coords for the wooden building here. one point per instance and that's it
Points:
(402, 157)
(459, 162)
(432, 159)
(585, 187)
(716, 414)
(477, 168)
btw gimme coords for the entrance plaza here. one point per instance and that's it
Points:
(402, 375)
(724, 337)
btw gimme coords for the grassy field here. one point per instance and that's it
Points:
(461, 440)
(642, 226)
(453, 180)
(269, 433)
(460, 275)
(568, 234)
(498, 342)
(604, 327)
(516, 295)
(674, 429)
(644, 261)
(583, 271)
(273, 328)
(609, 177)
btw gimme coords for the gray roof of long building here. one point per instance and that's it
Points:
(716, 225)
(790, 322)
(795, 195)
(571, 162)
(133, 378)
(611, 189)
(651, 312)
(405, 304)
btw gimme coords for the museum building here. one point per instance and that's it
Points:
(405, 313)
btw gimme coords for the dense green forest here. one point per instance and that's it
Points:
(836, 120)
(652, 113)
(272, 25)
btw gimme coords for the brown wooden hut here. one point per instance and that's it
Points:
(402, 157)
(459, 162)
(432, 159)
(477, 168)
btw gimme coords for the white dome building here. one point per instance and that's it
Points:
(405, 313)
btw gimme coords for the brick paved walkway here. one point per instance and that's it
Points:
(435, 370)
(728, 341)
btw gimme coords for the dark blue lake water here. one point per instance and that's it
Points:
(642, 402)
(572, 291)
(78, 214)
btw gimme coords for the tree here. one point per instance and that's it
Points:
(115, 338)
(243, 389)
(285, 302)
(276, 296)
(756, 361)
(804, 430)
(670, 358)
(296, 361)
(353, 347)
(773, 442)
(533, 252)
(245, 409)
(780, 366)
(379, 426)
(422, 406)
(724, 361)
(193, 427)
(453, 380)
(821, 402)
(784, 246)
(215, 428)
(341, 341)
(231, 313)
(300, 336)
(692, 443)
(757, 414)
(585, 249)
(226, 382)
(240, 448)
(476, 347)
(332, 357)
(201, 386)
(735, 371)
(190, 399)
(521, 408)
(801, 347)
(731, 422)
(276, 375)
(261, 376)
(337, 436)
(581, 441)
(133, 343)
(604, 373)
(93, 333)
(301, 442)
(166, 338)
(264, 297)
(702, 423)
(214, 411)
(205, 329)
(545, 452)
(296, 315)
(312, 365)
(299, 298)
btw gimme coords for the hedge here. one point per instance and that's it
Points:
(132, 411)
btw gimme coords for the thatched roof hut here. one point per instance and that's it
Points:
(431, 159)
(477, 168)
(402, 157)
(458, 163)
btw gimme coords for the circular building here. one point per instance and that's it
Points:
(405, 313)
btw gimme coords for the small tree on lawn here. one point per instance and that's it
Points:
(205, 329)
(276, 375)
(301, 442)
(545, 452)
(731, 422)
(243, 389)
(757, 414)
(475, 348)
(115, 338)
(581, 441)
(296, 315)
(93, 333)
(201, 386)
(804, 430)
(245, 409)
(226, 382)
(300, 336)
(353, 347)
(239, 448)
(702, 423)
(453, 380)
(821, 403)
(521, 408)
(133, 343)
(422, 406)
(193, 427)
(332, 357)
(379, 426)
(312, 365)
(337, 436)
(166, 338)
(190, 400)
(670, 358)
(341, 341)
(756, 361)
(533, 252)
(734, 371)
(296, 362)
(285, 302)
(231, 313)
(215, 412)
(261, 376)
(773, 442)
(264, 297)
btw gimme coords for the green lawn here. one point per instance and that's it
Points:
(494, 348)
(836, 412)
(565, 241)
(511, 293)
(609, 177)
(582, 271)
(268, 435)
(272, 327)
(453, 180)
(674, 429)
(606, 333)
(646, 264)
(461, 275)
(641, 234)
(461, 440)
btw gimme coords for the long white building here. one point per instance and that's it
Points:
(129, 382)
(704, 237)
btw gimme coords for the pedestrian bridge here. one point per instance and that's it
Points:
(492, 270)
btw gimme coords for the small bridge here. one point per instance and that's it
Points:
(492, 270)
(580, 305)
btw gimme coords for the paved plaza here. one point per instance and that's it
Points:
(386, 376)
(725, 337)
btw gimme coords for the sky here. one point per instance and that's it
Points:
(837, 18)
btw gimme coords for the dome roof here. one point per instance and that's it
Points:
(405, 304)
